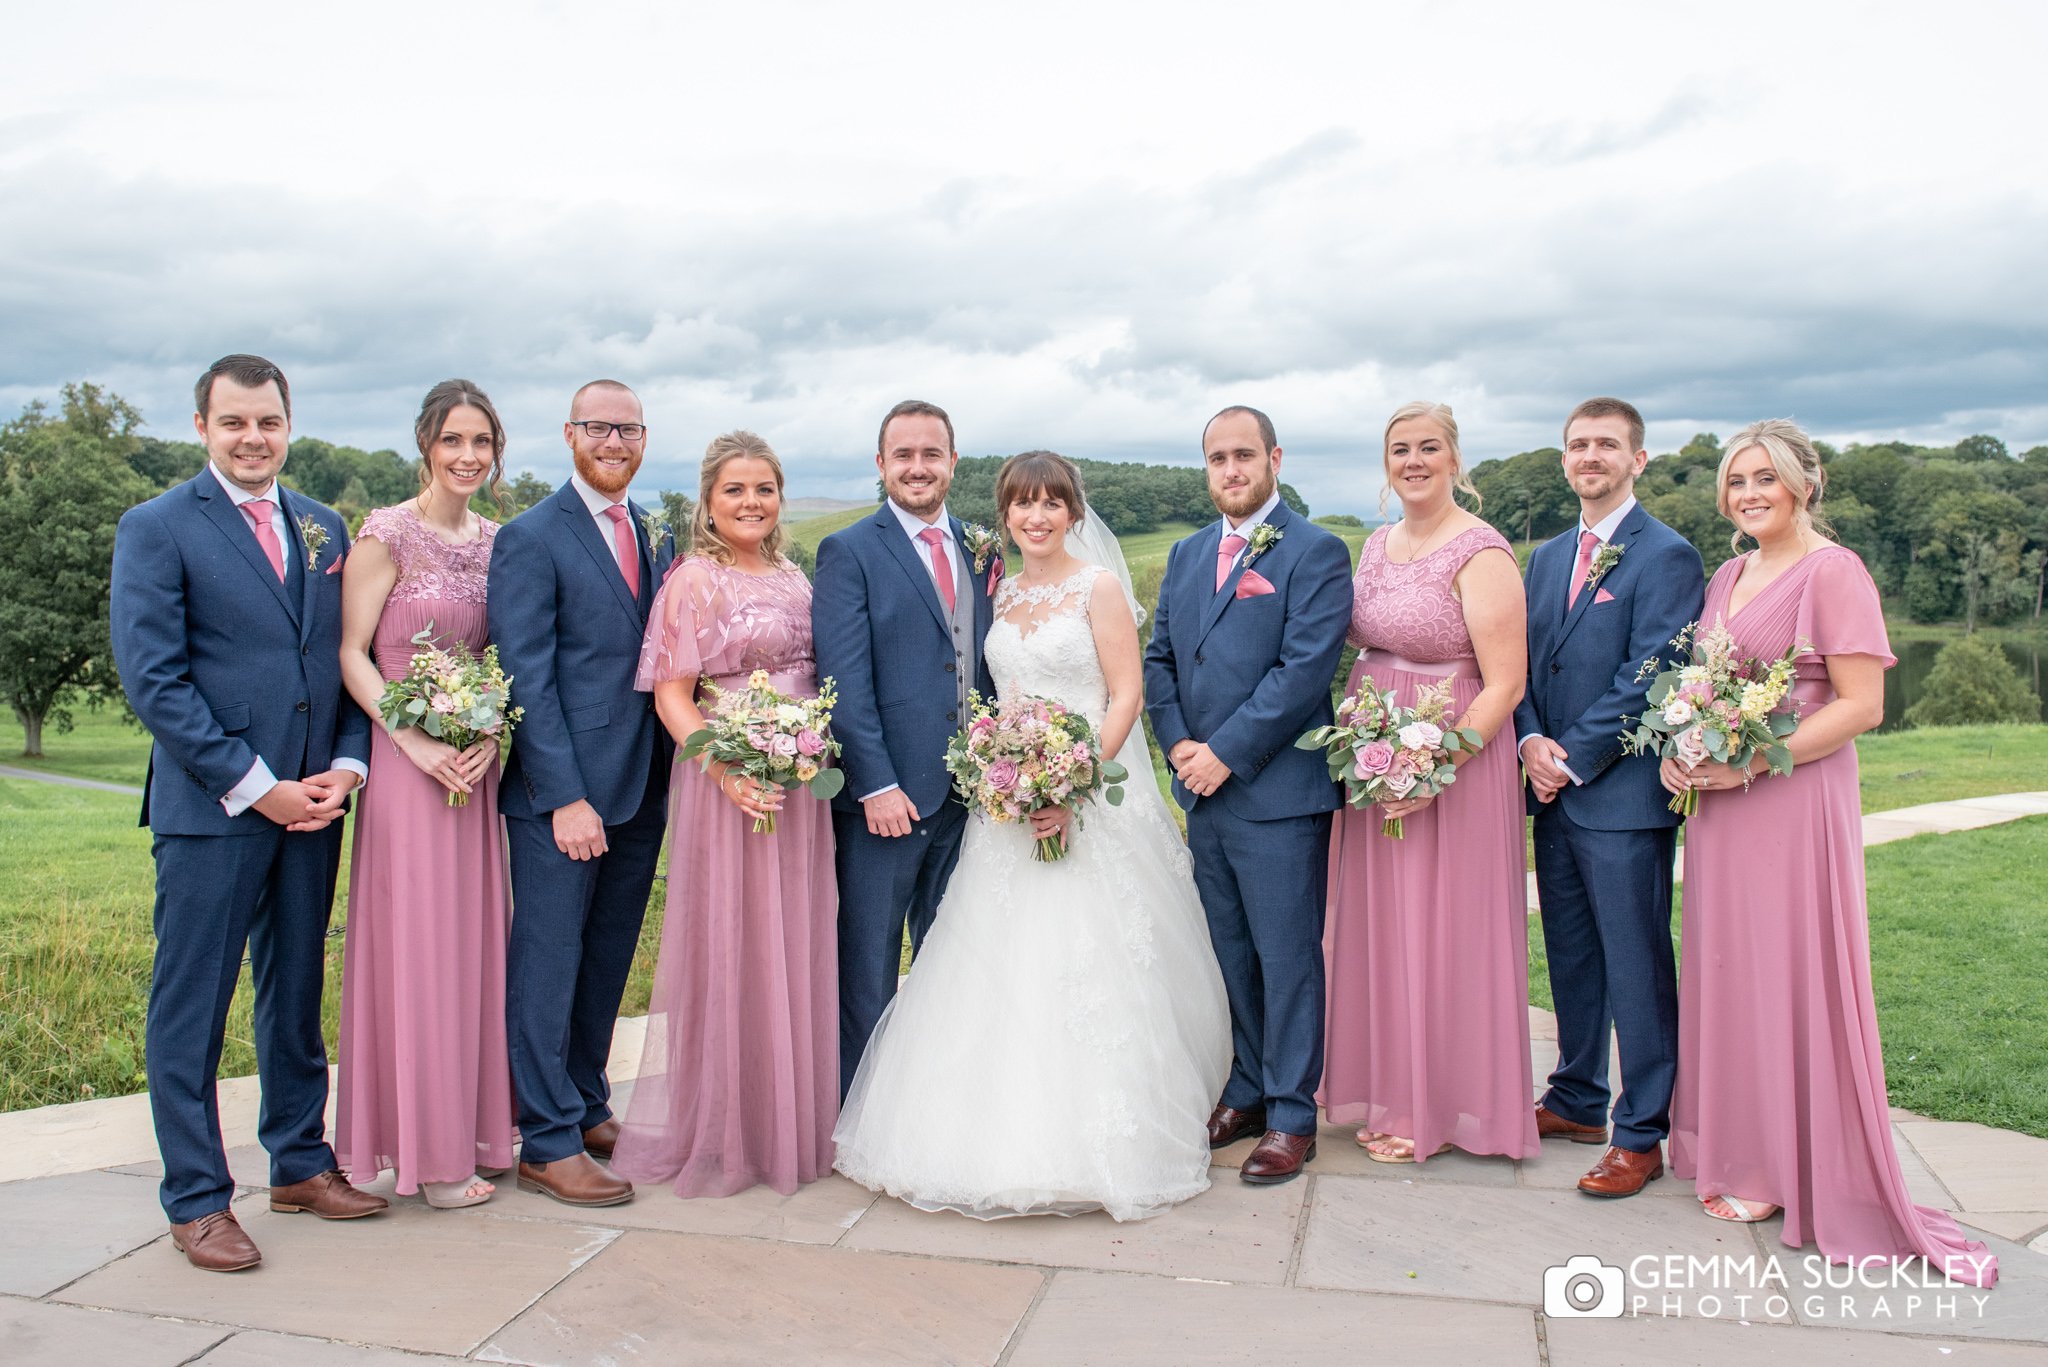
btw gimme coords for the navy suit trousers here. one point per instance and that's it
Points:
(575, 925)
(1606, 901)
(884, 883)
(271, 891)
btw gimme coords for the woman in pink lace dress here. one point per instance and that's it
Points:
(739, 1082)
(425, 1086)
(1780, 1099)
(1427, 944)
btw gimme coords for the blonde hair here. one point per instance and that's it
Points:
(723, 450)
(1440, 414)
(1794, 459)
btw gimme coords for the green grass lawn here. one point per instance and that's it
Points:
(104, 745)
(809, 531)
(1942, 764)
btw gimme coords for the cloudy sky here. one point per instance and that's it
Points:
(1082, 226)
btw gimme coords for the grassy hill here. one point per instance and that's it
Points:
(809, 531)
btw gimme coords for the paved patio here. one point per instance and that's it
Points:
(1438, 1262)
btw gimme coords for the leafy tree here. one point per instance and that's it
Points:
(1982, 448)
(518, 494)
(1526, 497)
(1983, 534)
(1341, 520)
(1973, 682)
(64, 483)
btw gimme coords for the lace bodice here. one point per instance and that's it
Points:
(1041, 643)
(718, 624)
(429, 567)
(1409, 609)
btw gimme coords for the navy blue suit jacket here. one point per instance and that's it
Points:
(1249, 675)
(569, 634)
(883, 637)
(221, 662)
(1583, 665)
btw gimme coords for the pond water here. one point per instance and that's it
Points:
(1904, 683)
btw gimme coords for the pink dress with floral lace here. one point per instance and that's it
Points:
(1427, 945)
(739, 1081)
(425, 1087)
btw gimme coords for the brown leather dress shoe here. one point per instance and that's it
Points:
(1226, 1126)
(1551, 1125)
(1278, 1158)
(575, 1181)
(215, 1243)
(1622, 1172)
(328, 1196)
(599, 1139)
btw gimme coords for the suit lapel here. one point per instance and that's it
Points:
(583, 527)
(907, 559)
(309, 582)
(1576, 613)
(224, 514)
(984, 597)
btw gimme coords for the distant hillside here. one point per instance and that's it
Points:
(798, 508)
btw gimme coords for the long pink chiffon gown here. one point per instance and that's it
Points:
(1427, 946)
(425, 1085)
(740, 1077)
(1780, 1093)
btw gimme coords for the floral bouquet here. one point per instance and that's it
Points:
(771, 738)
(452, 696)
(1718, 706)
(1027, 754)
(1383, 753)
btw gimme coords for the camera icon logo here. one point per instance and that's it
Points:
(1583, 1288)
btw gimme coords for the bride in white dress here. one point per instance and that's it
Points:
(1065, 1033)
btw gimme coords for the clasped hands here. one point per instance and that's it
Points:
(1707, 776)
(308, 804)
(1197, 767)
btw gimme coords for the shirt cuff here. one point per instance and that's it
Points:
(1577, 782)
(879, 791)
(356, 767)
(246, 794)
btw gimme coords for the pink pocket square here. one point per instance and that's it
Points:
(335, 568)
(1252, 585)
(1603, 596)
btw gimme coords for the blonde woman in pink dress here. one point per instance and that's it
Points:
(1780, 1100)
(425, 1084)
(1427, 944)
(740, 1078)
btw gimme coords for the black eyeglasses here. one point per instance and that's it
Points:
(598, 431)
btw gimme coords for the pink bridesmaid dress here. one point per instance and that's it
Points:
(425, 1085)
(739, 1082)
(1427, 946)
(1780, 1092)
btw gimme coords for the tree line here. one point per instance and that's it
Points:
(1950, 533)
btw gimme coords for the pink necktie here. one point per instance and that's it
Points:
(257, 510)
(1226, 552)
(942, 564)
(629, 549)
(1588, 543)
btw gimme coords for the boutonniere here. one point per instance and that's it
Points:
(315, 537)
(981, 544)
(1263, 537)
(655, 522)
(1604, 559)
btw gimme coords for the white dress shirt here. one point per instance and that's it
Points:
(914, 527)
(259, 780)
(1604, 529)
(597, 503)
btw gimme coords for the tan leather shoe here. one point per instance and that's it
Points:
(328, 1196)
(1551, 1125)
(1227, 1126)
(215, 1243)
(1278, 1158)
(575, 1181)
(599, 1139)
(1622, 1172)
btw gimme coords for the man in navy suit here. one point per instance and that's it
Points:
(1604, 597)
(226, 621)
(899, 611)
(1251, 620)
(585, 791)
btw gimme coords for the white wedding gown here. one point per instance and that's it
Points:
(1064, 1035)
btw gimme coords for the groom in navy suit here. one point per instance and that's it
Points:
(1251, 620)
(899, 611)
(1604, 597)
(226, 621)
(585, 793)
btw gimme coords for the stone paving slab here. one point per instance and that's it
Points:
(2020, 1226)
(248, 1165)
(1339, 1154)
(1718, 1342)
(1231, 1233)
(2016, 1309)
(676, 1298)
(257, 1348)
(1986, 1169)
(1095, 1318)
(42, 1334)
(60, 1228)
(409, 1278)
(819, 1213)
